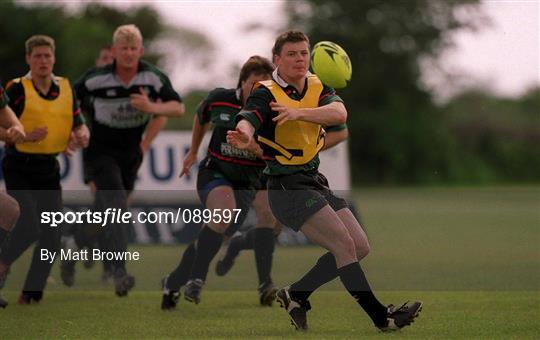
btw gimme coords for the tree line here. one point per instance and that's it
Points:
(398, 133)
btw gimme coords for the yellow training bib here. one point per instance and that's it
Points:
(56, 115)
(297, 142)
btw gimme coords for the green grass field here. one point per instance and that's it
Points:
(472, 255)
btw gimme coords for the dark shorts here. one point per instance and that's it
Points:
(210, 177)
(112, 170)
(295, 198)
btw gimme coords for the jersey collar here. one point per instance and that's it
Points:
(29, 76)
(281, 82)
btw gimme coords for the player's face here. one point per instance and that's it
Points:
(128, 53)
(247, 84)
(41, 61)
(105, 57)
(293, 61)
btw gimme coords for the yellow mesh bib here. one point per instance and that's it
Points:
(297, 142)
(56, 115)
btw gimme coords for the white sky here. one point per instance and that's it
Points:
(223, 23)
(504, 57)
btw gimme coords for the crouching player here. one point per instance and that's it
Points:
(288, 113)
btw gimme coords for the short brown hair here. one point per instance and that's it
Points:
(38, 40)
(291, 36)
(254, 65)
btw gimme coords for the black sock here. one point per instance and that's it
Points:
(355, 282)
(208, 244)
(325, 270)
(238, 243)
(264, 251)
(3, 235)
(180, 275)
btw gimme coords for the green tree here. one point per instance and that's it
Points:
(496, 138)
(397, 134)
(79, 35)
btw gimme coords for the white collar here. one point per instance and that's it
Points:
(238, 93)
(29, 76)
(280, 80)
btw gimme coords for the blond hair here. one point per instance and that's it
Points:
(38, 40)
(129, 33)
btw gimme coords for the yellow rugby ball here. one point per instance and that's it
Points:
(331, 64)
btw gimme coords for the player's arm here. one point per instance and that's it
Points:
(333, 138)
(11, 129)
(330, 112)
(170, 108)
(255, 113)
(156, 124)
(242, 136)
(333, 113)
(197, 134)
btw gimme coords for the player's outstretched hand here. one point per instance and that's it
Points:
(239, 138)
(189, 160)
(81, 135)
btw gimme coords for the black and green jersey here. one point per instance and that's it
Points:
(105, 100)
(258, 112)
(220, 108)
(3, 98)
(335, 128)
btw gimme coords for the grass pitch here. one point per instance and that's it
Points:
(472, 256)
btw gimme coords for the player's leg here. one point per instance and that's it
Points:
(210, 238)
(9, 213)
(47, 199)
(127, 167)
(26, 231)
(330, 229)
(396, 317)
(107, 272)
(325, 229)
(49, 239)
(242, 241)
(111, 194)
(172, 283)
(264, 247)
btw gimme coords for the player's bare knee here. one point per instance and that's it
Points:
(9, 212)
(265, 219)
(344, 248)
(362, 249)
(219, 227)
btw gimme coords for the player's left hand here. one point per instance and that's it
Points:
(71, 147)
(284, 113)
(81, 135)
(238, 138)
(141, 102)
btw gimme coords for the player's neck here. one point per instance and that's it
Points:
(43, 84)
(126, 74)
(298, 83)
